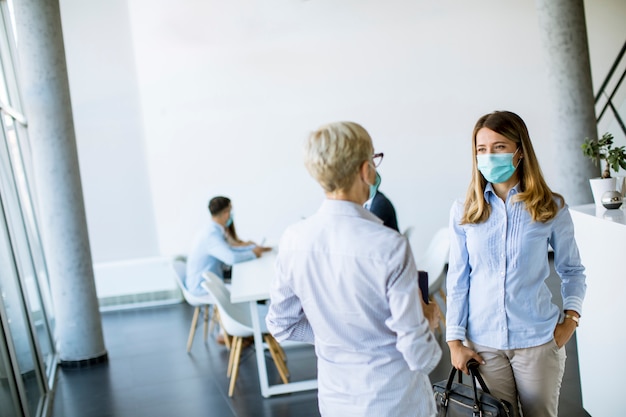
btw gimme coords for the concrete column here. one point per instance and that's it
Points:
(46, 103)
(564, 37)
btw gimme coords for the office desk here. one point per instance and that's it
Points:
(250, 283)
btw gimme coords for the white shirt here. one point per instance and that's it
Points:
(349, 284)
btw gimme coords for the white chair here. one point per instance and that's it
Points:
(435, 262)
(179, 265)
(237, 321)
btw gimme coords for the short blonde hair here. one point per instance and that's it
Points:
(334, 153)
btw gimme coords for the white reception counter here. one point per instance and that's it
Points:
(601, 238)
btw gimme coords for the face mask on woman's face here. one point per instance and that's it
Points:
(497, 167)
(374, 187)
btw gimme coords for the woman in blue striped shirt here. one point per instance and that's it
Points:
(500, 310)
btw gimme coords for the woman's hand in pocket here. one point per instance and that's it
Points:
(563, 332)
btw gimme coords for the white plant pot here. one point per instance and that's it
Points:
(600, 186)
(621, 185)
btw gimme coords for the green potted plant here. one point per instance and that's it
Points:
(614, 158)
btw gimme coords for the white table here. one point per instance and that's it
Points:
(250, 283)
(601, 239)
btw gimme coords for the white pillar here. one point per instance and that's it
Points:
(564, 38)
(44, 85)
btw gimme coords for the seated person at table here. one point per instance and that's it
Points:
(382, 207)
(212, 251)
(232, 237)
(233, 240)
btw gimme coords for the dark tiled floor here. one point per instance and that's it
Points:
(150, 374)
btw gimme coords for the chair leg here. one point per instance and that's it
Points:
(228, 340)
(206, 322)
(282, 356)
(276, 356)
(192, 331)
(233, 377)
(231, 359)
(280, 350)
(215, 319)
(227, 337)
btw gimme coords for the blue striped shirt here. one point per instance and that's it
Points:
(497, 295)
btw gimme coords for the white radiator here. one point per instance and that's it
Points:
(135, 283)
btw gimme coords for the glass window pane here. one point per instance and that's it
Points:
(30, 254)
(4, 94)
(20, 343)
(9, 400)
(27, 353)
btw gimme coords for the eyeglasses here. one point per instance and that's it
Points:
(377, 158)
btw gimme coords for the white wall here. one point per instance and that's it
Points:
(109, 130)
(176, 102)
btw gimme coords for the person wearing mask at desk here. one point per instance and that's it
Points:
(212, 250)
(232, 237)
(349, 285)
(382, 207)
(234, 241)
(499, 308)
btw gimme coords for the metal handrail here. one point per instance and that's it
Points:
(19, 117)
(603, 92)
(611, 71)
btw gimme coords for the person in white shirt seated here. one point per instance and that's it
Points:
(349, 285)
(212, 250)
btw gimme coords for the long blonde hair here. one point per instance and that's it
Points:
(541, 202)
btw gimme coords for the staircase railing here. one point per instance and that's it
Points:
(609, 90)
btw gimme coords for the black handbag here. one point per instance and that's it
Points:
(455, 399)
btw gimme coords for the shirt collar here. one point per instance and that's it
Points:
(218, 226)
(347, 208)
(490, 191)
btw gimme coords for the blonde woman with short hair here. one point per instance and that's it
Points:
(500, 310)
(349, 285)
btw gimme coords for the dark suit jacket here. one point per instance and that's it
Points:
(382, 207)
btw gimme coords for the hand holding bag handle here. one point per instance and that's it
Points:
(460, 400)
(472, 365)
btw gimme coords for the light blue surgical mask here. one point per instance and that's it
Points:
(230, 220)
(374, 187)
(497, 167)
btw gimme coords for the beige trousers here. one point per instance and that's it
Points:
(530, 376)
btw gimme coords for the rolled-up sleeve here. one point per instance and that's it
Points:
(567, 262)
(286, 319)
